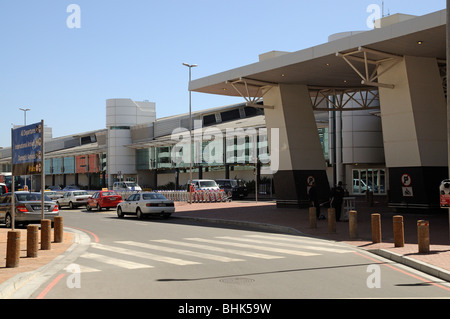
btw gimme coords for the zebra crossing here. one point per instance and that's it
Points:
(132, 255)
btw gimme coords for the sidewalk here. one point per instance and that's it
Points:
(265, 215)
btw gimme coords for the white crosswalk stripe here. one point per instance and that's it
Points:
(145, 255)
(115, 261)
(271, 249)
(300, 246)
(180, 251)
(220, 249)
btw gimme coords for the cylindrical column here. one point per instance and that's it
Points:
(58, 229)
(353, 223)
(399, 235)
(46, 235)
(13, 249)
(331, 220)
(423, 236)
(312, 217)
(376, 228)
(32, 240)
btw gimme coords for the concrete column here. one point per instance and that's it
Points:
(414, 131)
(300, 152)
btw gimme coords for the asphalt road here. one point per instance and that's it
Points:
(154, 258)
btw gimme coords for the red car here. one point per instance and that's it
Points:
(103, 199)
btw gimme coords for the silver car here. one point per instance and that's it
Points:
(28, 208)
(146, 203)
(73, 199)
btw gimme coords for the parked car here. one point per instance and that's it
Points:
(126, 186)
(53, 195)
(28, 208)
(146, 203)
(205, 184)
(3, 188)
(73, 199)
(71, 188)
(235, 187)
(103, 199)
(54, 188)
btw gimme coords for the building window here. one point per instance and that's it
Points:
(372, 179)
(119, 128)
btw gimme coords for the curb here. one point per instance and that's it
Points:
(407, 261)
(24, 284)
(416, 264)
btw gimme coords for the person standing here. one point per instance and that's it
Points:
(314, 198)
(336, 199)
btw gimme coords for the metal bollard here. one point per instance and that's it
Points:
(331, 220)
(376, 228)
(46, 229)
(399, 237)
(13, 249)
(423, 236)
(58, 229)
(312, 217)
(353, 223)
(32, 241)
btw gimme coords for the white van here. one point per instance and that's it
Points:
(126, 186)
(205, 184)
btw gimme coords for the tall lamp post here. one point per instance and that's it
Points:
(190, 66)
(24, 115)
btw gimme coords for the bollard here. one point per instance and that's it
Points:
(331, 220)
(376, 228)
(32, 240)
(423, 236)
(46, 229)
(13, 249)
(312, 217)
(58, 229)
(399, 237)
(353, 223)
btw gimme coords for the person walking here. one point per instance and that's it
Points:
(337, 198)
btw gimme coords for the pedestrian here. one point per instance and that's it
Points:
(336, 199)
(314, 199)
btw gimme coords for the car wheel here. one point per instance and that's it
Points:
(8, 221)
(98, 207)
(59, 205)
(120, 214)
(139, 213)
(70, 205)
(88, 207)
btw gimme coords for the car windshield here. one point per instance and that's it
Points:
(153, 196)
(109, 193)
(207, 184)
(130, 184)
(80, 193)
(28, 197)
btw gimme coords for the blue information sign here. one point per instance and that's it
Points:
(27, 149)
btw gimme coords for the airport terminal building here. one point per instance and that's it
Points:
(365, 108)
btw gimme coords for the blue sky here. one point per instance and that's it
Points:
(135, 49)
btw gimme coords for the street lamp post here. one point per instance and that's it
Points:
(190, 66)
(24, 115)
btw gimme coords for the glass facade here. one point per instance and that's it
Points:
(371, 179)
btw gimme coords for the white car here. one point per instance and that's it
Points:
(73, 199)
(205, 184)
(126, 186)
(53, 195)
(146, 203)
